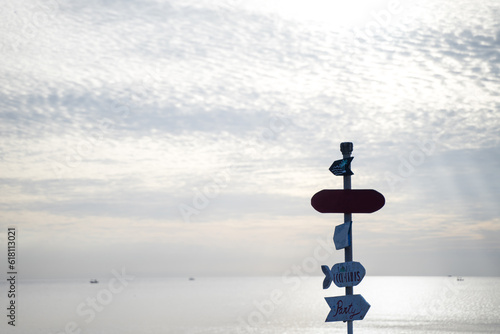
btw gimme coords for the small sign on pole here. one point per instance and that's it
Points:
(342, 167)
(347, 308)
(343, 274)
(347, 201)
(341, 236)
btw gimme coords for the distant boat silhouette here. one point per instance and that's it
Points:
(94, 281)
(191, 278)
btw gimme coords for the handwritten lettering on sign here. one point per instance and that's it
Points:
(347, 278)
(349, 311)
(347, 308)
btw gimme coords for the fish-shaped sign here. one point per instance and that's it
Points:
(343, 274)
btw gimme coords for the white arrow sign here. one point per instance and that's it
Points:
(347, 308)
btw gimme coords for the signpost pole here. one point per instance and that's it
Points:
(350, 307)
(346, 149)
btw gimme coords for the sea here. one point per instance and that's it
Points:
(215, 305)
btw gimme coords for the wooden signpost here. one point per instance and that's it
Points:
(347, 274)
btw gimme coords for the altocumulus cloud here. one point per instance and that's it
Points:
(113, 115)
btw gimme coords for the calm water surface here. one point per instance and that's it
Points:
(253, 305)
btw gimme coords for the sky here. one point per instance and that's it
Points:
(186, 138)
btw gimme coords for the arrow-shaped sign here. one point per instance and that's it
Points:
(342, 167)
(347, 201)
(343, 274)
(347, 308)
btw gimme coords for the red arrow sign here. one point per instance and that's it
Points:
(347, 201)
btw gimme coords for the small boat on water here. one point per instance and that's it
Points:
(94, 281)
(191, 278)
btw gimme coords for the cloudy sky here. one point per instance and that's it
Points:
(186, 138)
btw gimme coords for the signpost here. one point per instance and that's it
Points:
(347, 274)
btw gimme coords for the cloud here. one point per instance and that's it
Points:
(122, 112)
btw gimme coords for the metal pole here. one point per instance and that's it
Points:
(346, 149)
